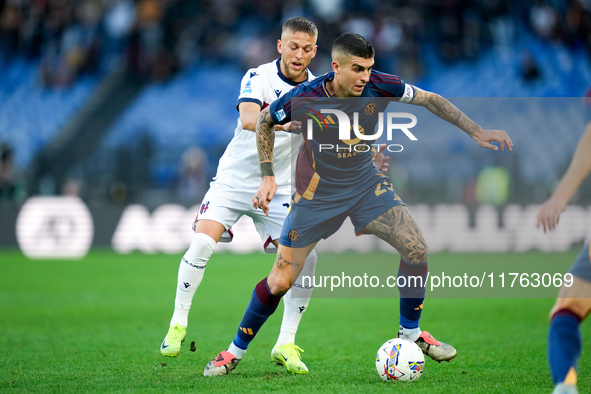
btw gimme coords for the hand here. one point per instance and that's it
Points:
(265, 194)
(380, 160)
(291, 127)
(485, 137)
(549, 213)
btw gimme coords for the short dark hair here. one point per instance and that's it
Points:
(300, 24)
(354, 45)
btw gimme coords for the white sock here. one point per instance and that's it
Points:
(191, 272)
(410, 333)
(236, 351)
(295, 302)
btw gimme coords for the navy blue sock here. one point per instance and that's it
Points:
(262, 305)
(412, 294)
(564, 343)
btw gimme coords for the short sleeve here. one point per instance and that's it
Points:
(252, 88)
(280, 109)
(390, 85)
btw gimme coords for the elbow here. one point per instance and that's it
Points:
(248, 125)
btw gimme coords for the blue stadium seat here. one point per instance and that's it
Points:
(30, 115)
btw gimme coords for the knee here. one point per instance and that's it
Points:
(580, 307)
(279, 283)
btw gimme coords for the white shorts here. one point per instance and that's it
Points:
(226, 205)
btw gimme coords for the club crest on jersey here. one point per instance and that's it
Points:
(370, 109)
(294, 235)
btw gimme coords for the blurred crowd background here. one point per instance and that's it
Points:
(123, 101)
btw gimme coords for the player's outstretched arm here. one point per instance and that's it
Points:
(578, 170)
(449, 112)
(265, 143)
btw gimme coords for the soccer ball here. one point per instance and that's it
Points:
(400, 359)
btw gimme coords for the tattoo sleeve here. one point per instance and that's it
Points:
(281, 261)
(446, 111)
(398, 228)
(265, 142)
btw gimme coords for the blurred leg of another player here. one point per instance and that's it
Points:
(564, 335)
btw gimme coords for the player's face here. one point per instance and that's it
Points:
(352, 74)
(297, 50)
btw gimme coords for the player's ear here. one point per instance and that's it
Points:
(279, 46)
(315, 49)
(335, 66)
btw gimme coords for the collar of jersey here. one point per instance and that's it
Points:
(284, 78)
(329, 76)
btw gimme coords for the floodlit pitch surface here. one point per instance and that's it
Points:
(96, 325)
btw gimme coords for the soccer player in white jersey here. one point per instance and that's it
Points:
(238, 178)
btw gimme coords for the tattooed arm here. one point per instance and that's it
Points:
(265, 142)
(450, 113)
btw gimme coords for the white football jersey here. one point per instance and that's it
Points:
(239, 165)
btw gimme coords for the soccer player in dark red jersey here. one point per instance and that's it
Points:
(331, 186)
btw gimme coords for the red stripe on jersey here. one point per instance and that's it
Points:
(316, 92)
(385, 93)
(380, 78)
(312, 92)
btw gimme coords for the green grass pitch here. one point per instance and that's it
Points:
(96, 325)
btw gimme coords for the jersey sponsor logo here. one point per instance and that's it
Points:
(278, 92)
(356, 140)
(294, 235)
(247, 87)
(280, 115)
